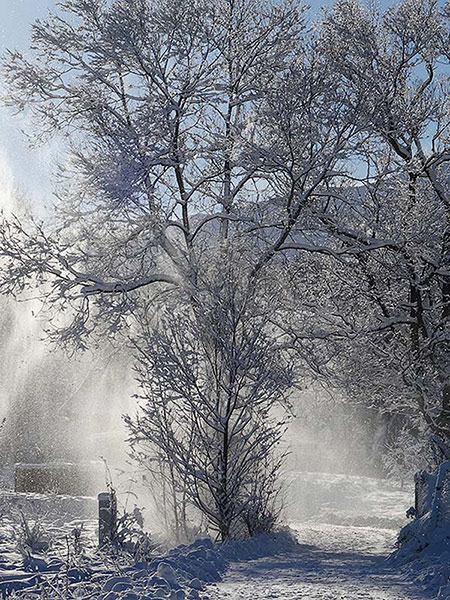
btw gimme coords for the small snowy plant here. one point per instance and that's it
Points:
(32, 535)
(128, 536)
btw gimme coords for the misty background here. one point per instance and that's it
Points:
(84, 396)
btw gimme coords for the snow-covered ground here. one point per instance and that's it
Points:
(333, 562)
(346, 527)
(346, 500)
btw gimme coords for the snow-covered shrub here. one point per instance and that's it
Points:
(259, 519)
(130, 537)
(127, 535)
(263, 502)
(212, 378)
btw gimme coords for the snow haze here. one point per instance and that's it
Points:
(224, 300)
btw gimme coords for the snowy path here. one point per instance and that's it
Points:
(334, 563)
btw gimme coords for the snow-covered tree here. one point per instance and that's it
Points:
(212, 379)
(191, 129)
(184, 122)
(199, 131)
(381, 321)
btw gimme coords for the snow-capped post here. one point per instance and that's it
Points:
(107, 517)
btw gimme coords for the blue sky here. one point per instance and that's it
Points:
(31, 168)
(27, 168)
(16, 17)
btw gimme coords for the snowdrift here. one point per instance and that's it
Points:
(424, 543)
(180, 574)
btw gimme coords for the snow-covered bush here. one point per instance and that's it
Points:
(130, 537)
(263, 504)
(215, 386)
(126, 534)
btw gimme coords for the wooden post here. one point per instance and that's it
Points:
(107, 517)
